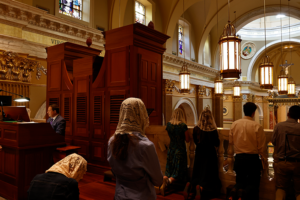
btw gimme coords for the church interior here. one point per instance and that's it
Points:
(87, 56)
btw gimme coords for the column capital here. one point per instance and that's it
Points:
(169, 86)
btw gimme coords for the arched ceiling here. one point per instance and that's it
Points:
(279, 53)
(172, 10)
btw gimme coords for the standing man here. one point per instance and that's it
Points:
(57, 122)
(286, 139)
(249, 141)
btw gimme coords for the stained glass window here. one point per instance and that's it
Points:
(72, 8)
(140, 13)
(180, 39)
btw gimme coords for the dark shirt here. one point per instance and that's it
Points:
(281, 129)
(59, 124)
(53, 186)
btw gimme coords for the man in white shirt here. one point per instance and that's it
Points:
(249, 141)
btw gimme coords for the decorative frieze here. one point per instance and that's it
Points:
(176, 61)
(38, 21)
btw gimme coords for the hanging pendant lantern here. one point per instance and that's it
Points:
(282, 83)
(266, 74)
(291, 87)
(184, 79)
(230, 51)
(219, 87)
(236, 89)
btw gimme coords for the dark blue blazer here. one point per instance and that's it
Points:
(59, 125)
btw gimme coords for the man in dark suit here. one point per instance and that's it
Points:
(57, 122)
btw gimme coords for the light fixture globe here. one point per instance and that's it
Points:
(219, 87)
(266, 74)
(236, 89)
(282, 83)
(291, 87)
(230, 53)
(184, 80)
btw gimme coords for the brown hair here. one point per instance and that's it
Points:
(55, 108)
(120, 144)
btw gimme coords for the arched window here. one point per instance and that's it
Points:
(180, 40)
(72, 8)
(140, 13)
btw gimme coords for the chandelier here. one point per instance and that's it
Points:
(282, 82)
(184, 75)
(291, 82)
(230, 49)
(266, 67)
(184, 79)
(237, 89)
(219, 87)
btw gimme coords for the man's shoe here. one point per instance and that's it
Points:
(185, 191)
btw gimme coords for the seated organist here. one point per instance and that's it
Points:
(57, 122)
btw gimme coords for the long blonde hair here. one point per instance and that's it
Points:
(178, 117)
(206, 121)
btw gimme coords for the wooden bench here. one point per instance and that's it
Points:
(63, 152)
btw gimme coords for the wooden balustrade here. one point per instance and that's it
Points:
(18, 88)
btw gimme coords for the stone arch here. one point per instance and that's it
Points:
(250, 76)
(244, 19)
(189, 109)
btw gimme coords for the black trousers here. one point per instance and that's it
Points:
(248, 170)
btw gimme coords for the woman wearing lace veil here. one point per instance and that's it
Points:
(205, 173)
(176, 168)
(132, 156)
(60, 181)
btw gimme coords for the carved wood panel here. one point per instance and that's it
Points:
(97, 115)
(84, 151)
(98, 151)
(10, 162)
(54, 77)
(81, 115)
(67, 112)
(118, 67)
(150, 86)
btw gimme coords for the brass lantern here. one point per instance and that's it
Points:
(291, 87)
(266, 74)
(230, 49)
(237, 89)
(282, 83)
(184, 80)
(219, 87)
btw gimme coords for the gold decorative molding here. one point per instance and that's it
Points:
(169, 86)
(16, 68)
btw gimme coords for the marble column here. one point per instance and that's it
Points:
(266, 113)
(217, 102)
(237, 108)
(169, 86)
(199, 98)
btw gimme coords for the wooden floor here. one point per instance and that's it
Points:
(92, 187)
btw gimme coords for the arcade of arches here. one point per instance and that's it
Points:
(27, 27)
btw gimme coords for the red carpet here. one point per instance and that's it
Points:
(92, 187)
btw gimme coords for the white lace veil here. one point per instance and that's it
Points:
(206, 121)
(178, 117)
(73, 166)
(133, 117)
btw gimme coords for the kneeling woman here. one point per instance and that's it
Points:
(60, 182)
(176, 168)
(205, 173)
(132, 156)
